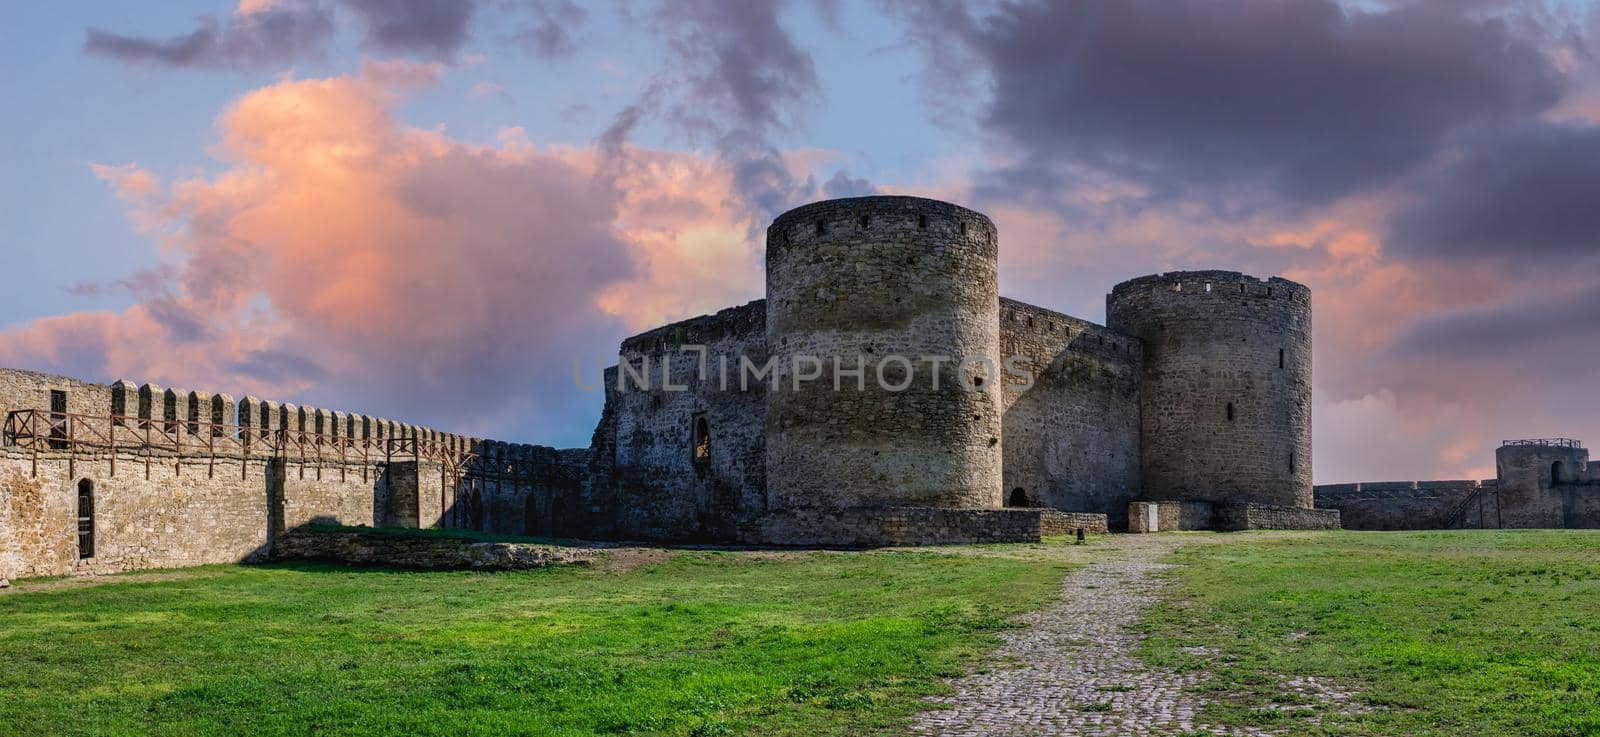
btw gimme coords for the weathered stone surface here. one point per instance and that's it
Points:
(888, 526)
(1226, 398)
(424, 553)
(851, 283)
(1071, 421)
(1427, 505)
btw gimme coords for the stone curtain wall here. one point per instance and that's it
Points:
(514, 489)
(188, 511)
(1223, 419)
(31, 390)
(646, 481)
(859, 279)
(1413, 505)
(222, 498)
(1071, 441)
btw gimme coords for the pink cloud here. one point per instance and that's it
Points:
(347, 259)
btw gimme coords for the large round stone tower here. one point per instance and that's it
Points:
(907, 289)
(1226, 396)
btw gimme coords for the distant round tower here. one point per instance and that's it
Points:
(1530, 473)
(898, 283)
(1226, 396)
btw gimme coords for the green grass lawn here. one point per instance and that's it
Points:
(685, 643)
(1436, 633)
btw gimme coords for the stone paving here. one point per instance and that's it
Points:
(1072, 670)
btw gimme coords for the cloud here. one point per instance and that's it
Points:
(548, 33)
(257, 35)
(270, 33)
(1529, 198)
(740, 79)
(401, 75)
(433, 28)
(342, 258)
(1302, 101)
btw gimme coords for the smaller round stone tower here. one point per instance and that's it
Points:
(903, 289)
(1530, 473)
(1226, 395)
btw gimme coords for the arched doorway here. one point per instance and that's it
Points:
(530, 514)
(85, 519)
(1019, 498)
(557, 511)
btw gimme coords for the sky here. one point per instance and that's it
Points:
(437, 210)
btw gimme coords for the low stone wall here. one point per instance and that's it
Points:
(866, 527)
(377, 548)
(1271, 517)
(1056, 522)
(1169, 516)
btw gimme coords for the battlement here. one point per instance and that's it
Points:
(48, 413)
(1020, 318)
(881, 216)
(746, 319)
(1216, 283)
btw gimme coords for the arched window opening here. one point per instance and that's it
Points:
(1230, 411)
(1019, 498)
(702, 441)
(85, 519)
(866, 221)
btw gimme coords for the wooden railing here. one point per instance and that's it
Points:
(41, 431)
(1549, 442)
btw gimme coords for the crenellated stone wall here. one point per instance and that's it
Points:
(1071, 404)
(1413, 505)
(649, 482)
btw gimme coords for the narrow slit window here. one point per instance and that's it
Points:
(85, 519)
(822, 227)
(702, 441)
(1230, 412)
(1280, 358)
(58, 419)
(1291, 462)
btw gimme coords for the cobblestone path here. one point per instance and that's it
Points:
(1072, 670)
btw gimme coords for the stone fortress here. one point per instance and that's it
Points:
(883, 393)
